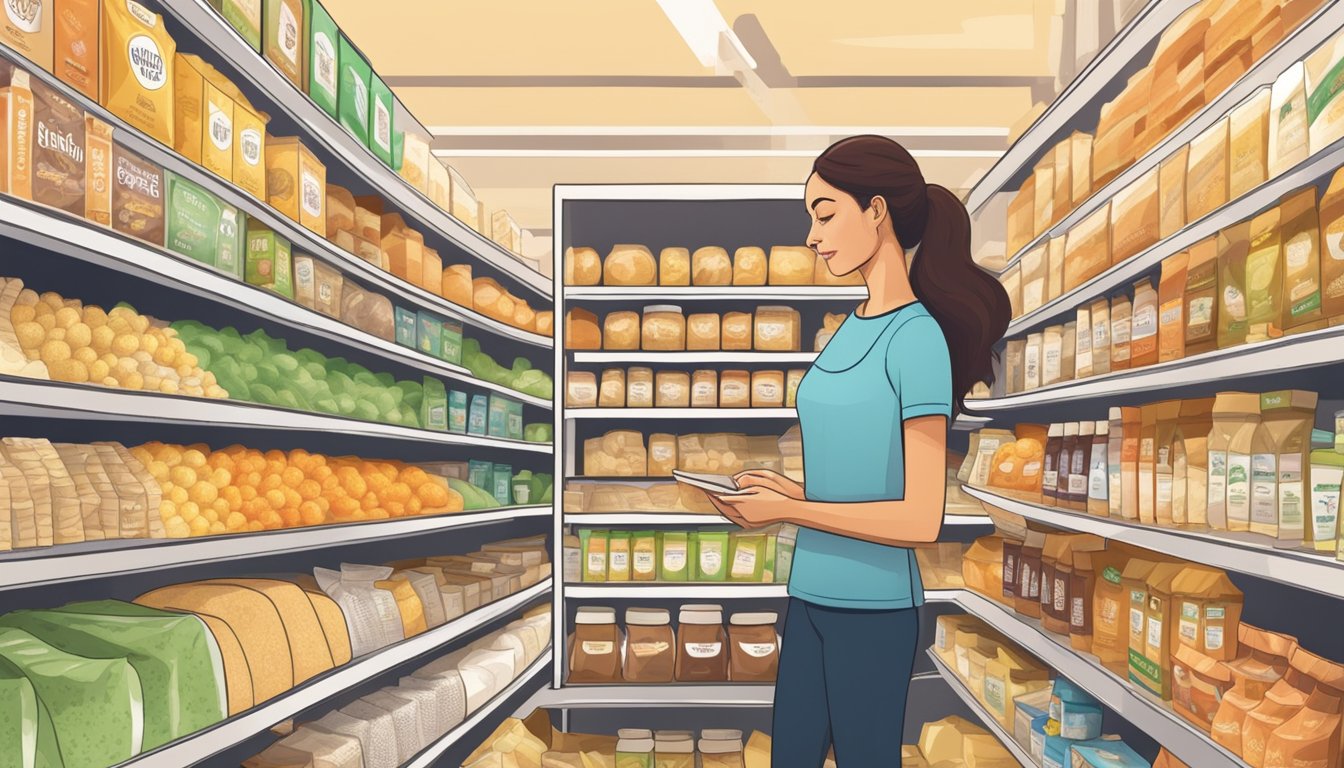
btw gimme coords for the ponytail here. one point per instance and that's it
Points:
(969, 304)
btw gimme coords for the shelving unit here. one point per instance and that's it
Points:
(975, 706)
(718, 292)
(1167, 728)
(203, 744)
(601, 519)
(692, 591)
(654, 696)
(709, 358)
(1243, 553)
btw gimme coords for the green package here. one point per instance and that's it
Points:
(501, 484)
(398, 150)
(784, 542)
(672, 556)
(353, 95)
(434, 407)
(711, 556)
(478, 415)
(202, 227)
(95, 706)
(450, 345)
(380, 119)
(457, 412)
(479, 472)
(244, 16)
(746, 562)
(428, 333)
(768, 574)
(515, 418)
(643, 556)
(269, 263)
(170, 652)
(405, 324)
(323, 58)
(498, 425)
(593, 545)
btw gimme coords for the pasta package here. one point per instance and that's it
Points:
(1135, 218)
(1171, 192)
(136, 68)
(1088, 248)
(1206, 175)
(1248, 145)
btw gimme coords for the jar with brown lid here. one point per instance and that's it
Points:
(595, 651)
(664, 328)
(753, 647)
(702, 655)
(650, 650)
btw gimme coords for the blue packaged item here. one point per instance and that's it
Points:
(1078, 712)
(1058, 752)
(1038, 726)
(405, 327)
(477, 415)
(1106, 753)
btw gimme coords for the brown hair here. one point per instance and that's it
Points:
(969, 304)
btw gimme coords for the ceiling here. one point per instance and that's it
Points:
(523, 94)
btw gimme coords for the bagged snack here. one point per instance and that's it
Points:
(284, 44)
(1332, 248)
(1171, 192)
(1234, 245)
(1300, 234)
(1288, 120)
(1248, 144)
(1135, 217)
(1264, 278)
(136, 68)
(75, 56)
(1200, 299)
(1206, 176)
(1171, 323)
(58, 151)
(137, 196)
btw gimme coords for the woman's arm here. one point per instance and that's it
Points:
(916, 519)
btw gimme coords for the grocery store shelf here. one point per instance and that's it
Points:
(47, 399)
(491, 710)
(717, 293)
(1185, 740)
(75, 562)
(1244, 553)
(52, 231)
(651, 696)
(303, 239)
(1086, 89)
(605, 519)
(656, 358)
(215, 33)
(681, 414)
(1320, 164)
(199, 746)
(1295, 46)
(671, 192)
(1306, 350)
(958, 687)
(652, 590)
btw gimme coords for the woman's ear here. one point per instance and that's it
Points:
(877, 209)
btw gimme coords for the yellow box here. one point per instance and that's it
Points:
(296, 182)
(204, 132)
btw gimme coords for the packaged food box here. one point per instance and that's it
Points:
(318, 286)
(457, 411)
(137, 196)
(296, 182)
(75, 50)
(98, 179)
(249, 150)
(244, 16)
(428, 333)
(28, 31)
(498, 424)
(450, 349)
(136, 68)
(269, 260)
(381, 119)
(203, 227)
(283, 38)
(204, 114)
(406, 327)
(58, 150)
(434, 407)
(323, 62)
(16, 121)
(353, 91)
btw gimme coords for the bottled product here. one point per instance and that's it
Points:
(753, 647)
(1143, 336)
(1098, 484)
(595, 651)
(650, 652)
(701, 653)
(634, 748)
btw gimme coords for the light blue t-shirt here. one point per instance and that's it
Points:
(875, 373)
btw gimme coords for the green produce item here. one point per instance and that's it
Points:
(540, 432)
(173, 653)
(269, 261)
(547, 497)
(434, 408)
(450, 347)
(457, 412)
(522, 377)
(353, 96)
(382, 119)
(536, 486)
(204, 228)
(500, 485)
(406, 327)
(473, 498)
(19, 726)
(95, 706)
(428, 333)
(323, 59)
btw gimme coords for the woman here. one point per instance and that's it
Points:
(874, 411)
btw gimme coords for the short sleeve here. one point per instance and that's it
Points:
(920, 369)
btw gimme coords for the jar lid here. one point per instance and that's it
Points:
(672, 735)
(1103, 427)
(648, 617)
(701, 617)
(702, 606)
(1071, 429)
(595, 616)
(663, 308)
(1086, 427)
(758, 618)
(634, 733)
(774, 308)
(721, 747)
(720, 734)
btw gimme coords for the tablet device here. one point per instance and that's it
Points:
(718, 484)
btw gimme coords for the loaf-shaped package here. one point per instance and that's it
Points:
(582, 266)
(792, 265)
(749, 266)
(710, 266)
(674, 266)
(456, 285)
(629, 265)
(621, 330)
(581, 330)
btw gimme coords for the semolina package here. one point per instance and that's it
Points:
(1288, 143)
(75, 47)
(1135, 217)
(1248, 144)
(1300, 235)
(1171, 192)
(136, 68)
(1206, 175)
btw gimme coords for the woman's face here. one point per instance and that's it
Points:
(842, 233)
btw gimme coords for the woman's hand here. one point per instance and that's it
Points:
(769, 479)
(755, 507)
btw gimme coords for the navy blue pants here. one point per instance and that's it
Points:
(843, 676)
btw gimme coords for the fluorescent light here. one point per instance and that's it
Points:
(702, 26)
(970, 153)
(955, 131)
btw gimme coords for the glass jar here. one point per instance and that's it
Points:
(595, 651)
(634, 748)
(664, 328)
(650, 651)
(673, 749)
(754, 647)
(721, 749)
(702, 653)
